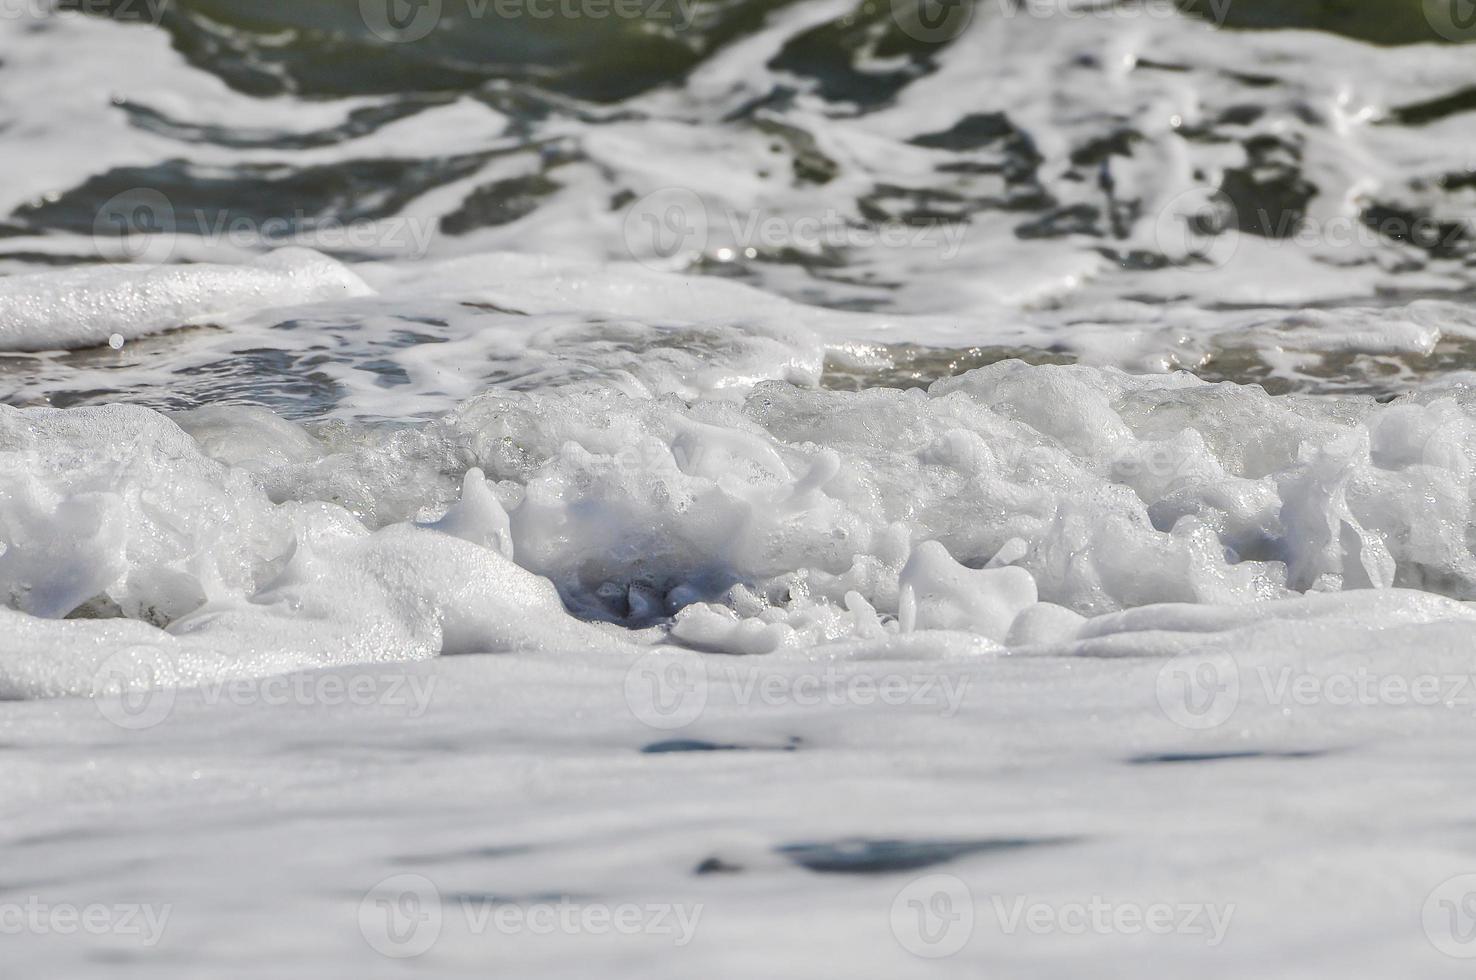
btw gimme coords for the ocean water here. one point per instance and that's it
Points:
(728, 488)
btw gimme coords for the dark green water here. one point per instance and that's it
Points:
(1375, 21)
(329, 48)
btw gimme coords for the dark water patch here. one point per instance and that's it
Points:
(972, 132)
(1339, 372)
(824, 263)
(485, 307)
(1442, 239)
(283, 381)
(1077, 219)
(276, 379)
(100, 606)
(268, 379)
(387, 374)
(840, 58)
(412, 338)
(1148, 64)
(918, 206)
(716, 866)
(1178, 758)
(809, 163)
(490, 853)
(1458, 181)
(1135, 259)
(688, 745)
(1099, 150)
(1433, 110)
(698, 745)
(249, 199)
(1386, 22)
(1269, 195)
(879, 856)
(1241, 115)
(349, 47)
(499, 203)
(1010, 150)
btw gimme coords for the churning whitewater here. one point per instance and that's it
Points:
(1058, 362)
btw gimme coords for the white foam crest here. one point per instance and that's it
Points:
(114, 512)
(992, 512)
(87, 306)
